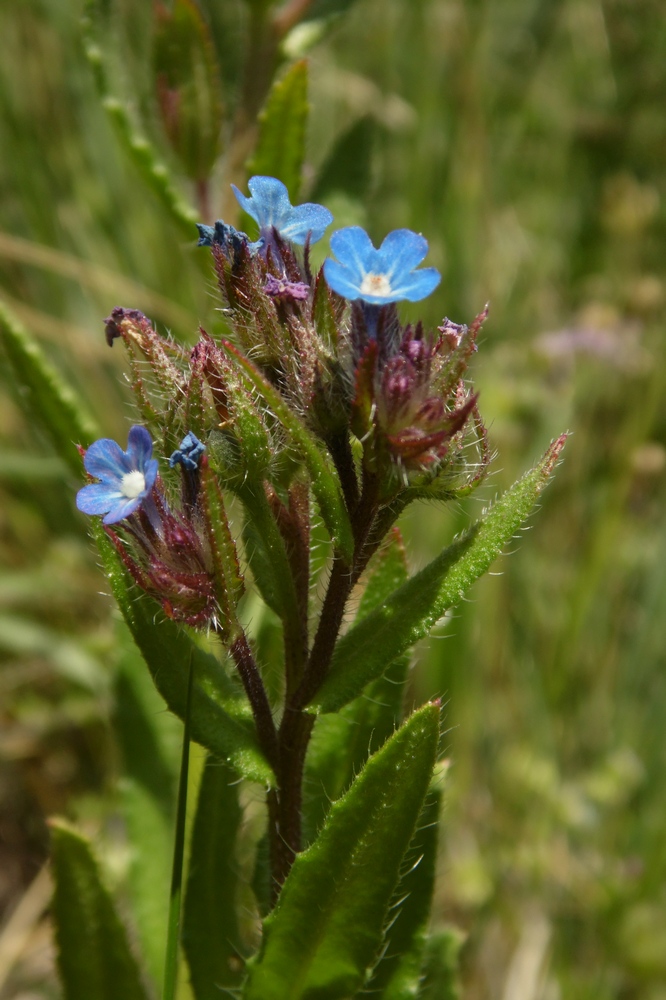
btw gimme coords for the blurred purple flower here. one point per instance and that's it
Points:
(126, 478)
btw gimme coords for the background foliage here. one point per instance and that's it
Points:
(525, 139)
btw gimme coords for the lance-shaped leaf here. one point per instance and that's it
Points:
(210, 926)
(325, 482)
(398, 974)
(220, 721)
(341, 742)
(147, 736)
(440, 978)
(94, 957)
(411, 611)
(44, 394)
(280, 149)
(326, 929)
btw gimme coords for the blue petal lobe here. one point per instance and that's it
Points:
(353, 248)
(139, 447)
(418, 284)
(97, 499)
(106, 460)
(271, 199)
(401, 251)
(304, 219)
(122, 509)
(341, 279)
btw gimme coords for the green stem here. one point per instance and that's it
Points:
(173, 928)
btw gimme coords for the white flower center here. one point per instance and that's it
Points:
(132, 484)
(375, 284)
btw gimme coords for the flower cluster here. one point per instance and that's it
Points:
(387, 402)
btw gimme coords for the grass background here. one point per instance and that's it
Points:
(525, 139)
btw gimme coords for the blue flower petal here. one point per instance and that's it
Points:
(304, 219)
(106, 460)
(269, 204)
(139, 447)
(122, 509)
(402, 251)
(417, 284)
(354, 250)
(342, 279)
(95, 498)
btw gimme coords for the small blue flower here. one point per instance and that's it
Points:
(126, 478)
(379, 276)
(189, 454)
(270, 207)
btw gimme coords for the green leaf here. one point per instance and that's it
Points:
(150, 837)
(94, 956)
(342, 742)
(411, 611)
(398, 974)
(220, 722)
(440, 980)
(327, 926)
(148, 737)
(210, 927)
(188, 86)
(325, 482)
(45, 396)
(280, 149)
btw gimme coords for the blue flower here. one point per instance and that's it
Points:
(379, 276)
(189, 454)
(126, 478)
(270, 207)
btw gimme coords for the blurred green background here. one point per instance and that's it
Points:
(526, 140)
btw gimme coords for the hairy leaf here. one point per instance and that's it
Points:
(94, 957)
(327, 926)
(220, 722)
(210, 927)
(411, 611)
(398, 974)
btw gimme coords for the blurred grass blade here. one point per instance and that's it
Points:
(146, 159)
(94, 956)
(173, 929)
(325, 481)
(398, 974)
(220, 722)
(210, 925)
(48, 400)
(280, 149)
(411, 611)
(327, 927)
(100, 279)
(348, 167)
